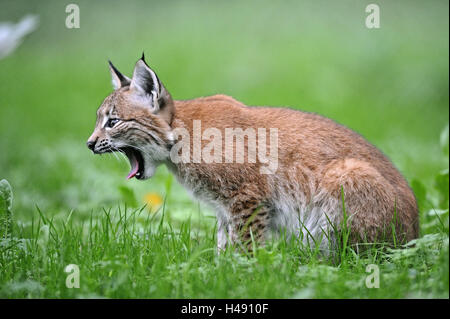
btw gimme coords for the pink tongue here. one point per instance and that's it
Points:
(134, 166)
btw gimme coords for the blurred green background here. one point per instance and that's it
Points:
(389, 84)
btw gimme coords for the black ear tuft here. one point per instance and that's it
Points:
(143, 59)
(118, 79)
(117, 72)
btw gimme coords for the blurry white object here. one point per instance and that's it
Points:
(11, 35)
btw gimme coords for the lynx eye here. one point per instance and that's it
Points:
(111, 123)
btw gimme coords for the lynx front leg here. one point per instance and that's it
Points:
(241, 227)
(248, 221)
(246, 216)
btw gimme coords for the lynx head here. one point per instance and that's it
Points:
(135, 120)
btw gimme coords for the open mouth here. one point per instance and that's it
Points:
(136, 162)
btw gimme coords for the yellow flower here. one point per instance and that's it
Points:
(153, 201)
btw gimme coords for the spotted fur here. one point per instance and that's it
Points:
(317, 160)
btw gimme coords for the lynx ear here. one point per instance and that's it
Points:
(147, 87)
(145, 83)
(118, 79)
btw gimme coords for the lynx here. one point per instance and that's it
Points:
(326, 176)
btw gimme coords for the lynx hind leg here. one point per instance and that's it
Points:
(221, 234)
(370, 201)
(316, 230)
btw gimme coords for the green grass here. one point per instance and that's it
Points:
(70, 207)
(132, 254)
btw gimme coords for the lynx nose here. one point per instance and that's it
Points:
(91, 145)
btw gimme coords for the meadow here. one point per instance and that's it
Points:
(62, 205)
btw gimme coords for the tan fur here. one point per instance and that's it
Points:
(324, 156)
(316, 159)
